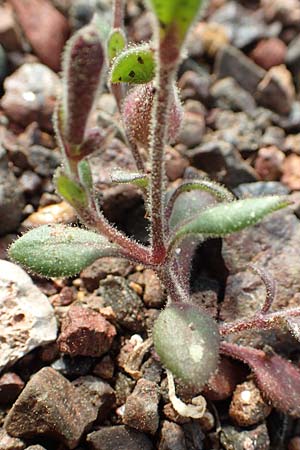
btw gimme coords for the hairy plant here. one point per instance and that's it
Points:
(186, 338)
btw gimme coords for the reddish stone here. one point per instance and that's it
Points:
(291, 172)
(268, 164)
(85, 332)
(269, 52)
(45, 28)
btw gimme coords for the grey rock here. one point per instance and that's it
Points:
(172, 437)
(99, 270)
(3, 64)
(141, 407)
(261, 188)
(11, 197)
(118, 438)
(229, 95)
(236, 439)
(273, 136)
(275, 91)
(43, 160)
(27, 317)
(8, 442)
(50, 406)
(293, 56)
(73, 366)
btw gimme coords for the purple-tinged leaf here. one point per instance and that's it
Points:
(277, 378)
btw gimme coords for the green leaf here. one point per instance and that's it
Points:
(115, 44)
(175, 14)
(85, 174)
(70, 190)
(187, 342)
(57, 250)
(227, 218)
(120, 176)
(134, 65)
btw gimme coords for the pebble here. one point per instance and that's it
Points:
(10, 387)
(50, 406)
(269, 52)
(45, 28)
(30, 182)
(3, 63)
(141, 407)
(30, 94)
(27, 318)
(118, 438)
(8, 442)
(11, 198)
(86, 333)
(269, 163)
(73, 366)
(195, 85)
(291, 172)
(92, 275)
(192, 129)
(9, 34)
(294, 443)
(229, 95)
(43, 160)
(210, 37)
(247, 406)
(171, 437)
(255, 439)
(105, 368)
(57, 213)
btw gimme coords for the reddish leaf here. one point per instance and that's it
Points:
(278, 379)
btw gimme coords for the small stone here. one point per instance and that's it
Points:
(141, 407)
(247, 406)
(30, 182)
(269, 163)
(229, 95)
(105, 368)
(123, 388)
(43, 160)
(30, 94)
(172, 437)
(175, 164)
(269, 52)
(92, 275)
(153, 292)
(192, 129)
(57, 213)
(194, 85)
(45, 28)
(86, 333)
(50, 406)
(35, 447)
(212, 36)
(173, 415)
(9, 34)
(8, 442)
(73, 367)
(254, 439)
(291, 172)
(27, 318)
(294, 443)
(273, 136)
(10, 387)
(118, 438)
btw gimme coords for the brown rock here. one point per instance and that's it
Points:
(8, 442)
(294, 443)
(10, 387)
(213, 37)
(172, 437)
(45, 28)
(85, 332)
(118, 438)
(153, 293)
(291, 172)
(269, 162)
(175, 164)
(99, 270)
(247, 406)
(50, 405)
(173, 415)
(269, 52)
(9, 35)
(105, 368)
(141, 407)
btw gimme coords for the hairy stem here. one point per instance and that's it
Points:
(118, 13)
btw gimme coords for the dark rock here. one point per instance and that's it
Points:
(126, 304)
(141, 407)
(11, 198)
(50, 406)
(231, 62)
(99, 270)
(205, 295)
(43, 160)
(195, 85)
(30, 182)
(175, 164)
(293, 56)
(222, 162)
(153, 292)
(118, 438)
(9, 34)
(247, 406)
(229, 95)
(269, 163)
(3, 64)
(269, 52)
(8, 442)
(172, 437)
(105, 368)
(235, 439)
(194, 436)
(73, 367)
(152, 370)
(97, 394)
(85, 333)
(10, 387)
(123, 388)
(192, 129)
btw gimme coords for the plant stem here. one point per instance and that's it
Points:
(118, 13)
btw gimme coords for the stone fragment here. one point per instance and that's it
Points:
(269, 52)
(153, 292)
(57, 213)
(9, 34)
(27, 318)
(10, 387)
(273, 136)
(291, 172)
(45, 28)
(43, 160)
(229, 95)
(118, 437)
(50, 406)
(35, 447)
(172, 437)
(30, 94)
(285, 11)
(123, 387)
(86, 333)
(126, 304)
(247, 406)
(92, 275)
(211, 36)
(269, 163)
(8, 442)
(294, 443)
(11, 197)
(141, 407)
(73, 367)
(255, 439)
(194, 85)
(30, 182)
(192, 129)
(105, 368)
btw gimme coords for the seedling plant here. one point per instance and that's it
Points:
(142, 79)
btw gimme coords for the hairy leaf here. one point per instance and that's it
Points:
(85, 174)
(187, 342)
(116, 43)
(277, 378)
(120, 176)
(227, 218)
(134, 65)
(57, 250)
(70, 190)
